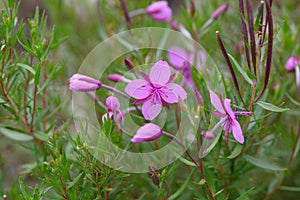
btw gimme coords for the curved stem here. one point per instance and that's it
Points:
(198, 165)
(137, 12)
(116, 91)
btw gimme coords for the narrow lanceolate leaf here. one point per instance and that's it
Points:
(271, 107)
(27, 67)
(263, 164)
(289, 188)
(245, 195)
(236, 151)
(240, 69)
(187, 162)
(183, 186)
(207, 146)
(15, 135)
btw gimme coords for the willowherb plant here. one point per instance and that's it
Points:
(170, 120)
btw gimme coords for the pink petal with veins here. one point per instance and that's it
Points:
(177, 89)
(237, 131)
(138, 89)
(152, 107)
(168, 95)
(216, 102)
(160, 73)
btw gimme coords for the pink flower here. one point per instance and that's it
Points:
(291, 63)
(160, 11)
(228, 117)
(82, 83)
(113, 105)
(181, 60)
(156, 90)
(146, 133)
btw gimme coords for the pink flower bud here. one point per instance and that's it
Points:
(160, 11)
(219, 11)
(174, 26)
(146, 133)
(291, 63)
(207, 134)
(115, 77)
(82, 83)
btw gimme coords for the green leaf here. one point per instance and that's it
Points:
(236, 151)
(263, 164)
(289, 188)
(27, 67)
(41, 136)
(23, 189)
(187, 162)
(209, 179)
(15, 135)
(240, 69)
(183, 186)
(271, 107)
(71, 184)
(37, 76)
(245, 195)
(208, 145)
(49, 78)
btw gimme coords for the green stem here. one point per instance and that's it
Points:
(198, 165)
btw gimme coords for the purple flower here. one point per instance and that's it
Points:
(146, 133)
(291, 63)
(181, 60)
(228, 117)
(82, 83)
(160, 11)
(156, 90)
(113, 105)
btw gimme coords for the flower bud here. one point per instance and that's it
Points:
(219, 11)
(207, 134)
(154, 178)
(291, 63)
(146, 133)
(115, 77)
(174, 25)
(82, 83)
(129, 64)
(160, 11)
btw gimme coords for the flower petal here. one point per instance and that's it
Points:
(228, 108)
(237, 132)
(177, 56)
(146, 133)
(216, 102)
(112, 103)
(138, 89)
(168, 95)
(177, 89)
(160, 73)
(152, 107)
